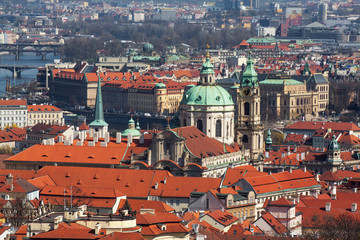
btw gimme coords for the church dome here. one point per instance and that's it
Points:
(160, 85)
(131, 129)
(210, 95)
(148, 47)
(334, 145)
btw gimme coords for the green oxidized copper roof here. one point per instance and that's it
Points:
(249, 77)
(138, 126)
(207, 67)
(281, 82)
(268, 138)
(160, 85)
(131, 129)
(334, 145)
(207, 95)
(99, 113)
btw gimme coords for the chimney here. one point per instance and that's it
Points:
(79, 143)
(142, 138)
(267, 155)
(97, 228)
(353, 207)
(44, 142)
(12, 187)
(328, 206)
(290, 170)
(57, 221)
(107, 137)
(304, 168)
(129, 139)
(298, 156)
(96, 137)
(118, 137)
(354, 190)
(91, 144)
(103, 144)
(156, 186)
(164, 180)
(61, 139)
(333, 193)
(9, 178)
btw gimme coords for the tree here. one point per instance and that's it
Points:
(18, 211)
(345, 227)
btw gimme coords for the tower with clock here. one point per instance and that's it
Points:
(249, 129)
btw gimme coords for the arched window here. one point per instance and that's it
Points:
(167, 148)
(218, 128)
(199, 125)
(245, 139)
(247, 108)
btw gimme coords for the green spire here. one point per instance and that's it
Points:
(138, 125)
(99, 113)
(249, 77)
(207, 67)
(268, 138)
(306, 69)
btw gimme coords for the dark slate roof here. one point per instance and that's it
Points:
(317, 78)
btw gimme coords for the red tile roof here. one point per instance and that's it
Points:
(335, 126)
(223, 217)
(43, 108)
(200, 144)
(133, 183)
(13, 102)
(233, 175)
(137, 204)
(281, 202)
(277, 226)
(183, 186)
(123, 236)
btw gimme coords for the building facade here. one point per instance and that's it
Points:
(13, 112)
(47, 114)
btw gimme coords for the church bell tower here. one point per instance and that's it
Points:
(249, 129)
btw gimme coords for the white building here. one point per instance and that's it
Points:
(265, 31)
(13, 111)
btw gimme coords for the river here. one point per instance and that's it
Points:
(27, 58)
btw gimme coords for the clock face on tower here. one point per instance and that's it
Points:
(246, 91)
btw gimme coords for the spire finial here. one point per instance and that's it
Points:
(168, 123)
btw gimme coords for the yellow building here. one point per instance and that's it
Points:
(47, 114)
(285, 98)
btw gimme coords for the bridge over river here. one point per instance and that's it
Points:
(17, 69)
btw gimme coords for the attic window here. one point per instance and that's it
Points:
(91, 156)
(67, 175)
(114, 157)
(79, 182)
(96, 176)
(44, 155)
(68, 155)
(118, 178)
(141, 179)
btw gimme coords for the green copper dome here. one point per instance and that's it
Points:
(249, 77)
(207, 67)
(268, 138)
(334, 145)
(211, 95)
(131, 129)
(148, 47)
(160, 85)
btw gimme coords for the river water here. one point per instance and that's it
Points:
(27, 58)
